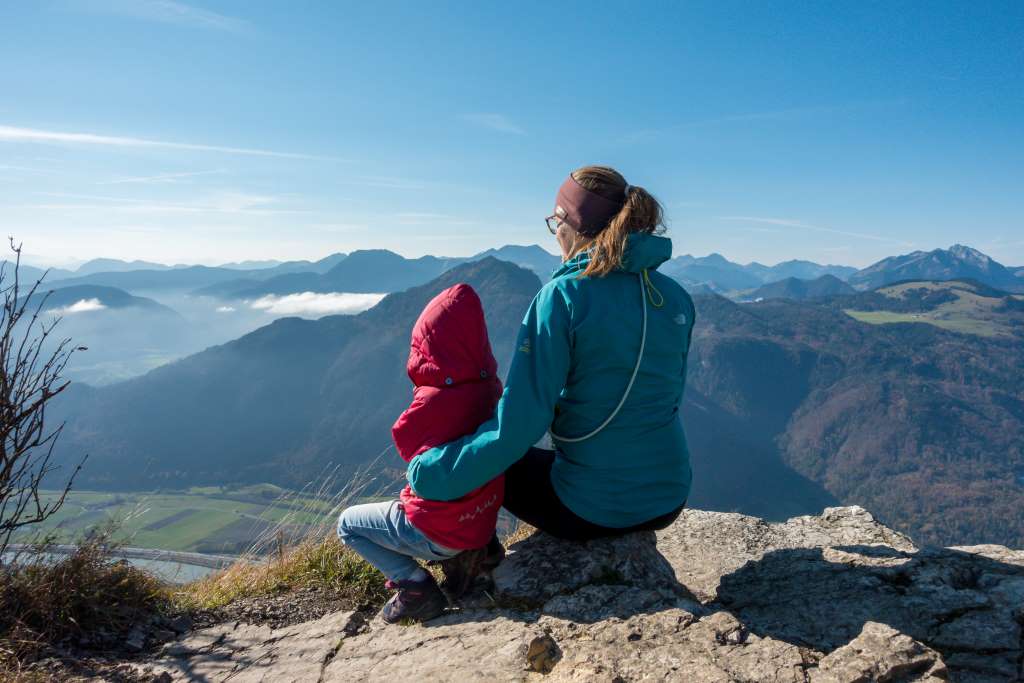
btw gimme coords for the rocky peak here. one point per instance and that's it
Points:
(970, 255)
(715, 597)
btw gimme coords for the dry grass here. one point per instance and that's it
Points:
(43, 604)
(87, 595)
(295, 555)
(324, 563)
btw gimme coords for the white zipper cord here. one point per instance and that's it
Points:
(636, 369)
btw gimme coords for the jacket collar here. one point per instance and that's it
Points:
(642, 251)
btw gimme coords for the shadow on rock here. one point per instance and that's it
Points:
(967, 604)
(589, 581)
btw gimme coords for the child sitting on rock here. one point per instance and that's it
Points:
(457, 388)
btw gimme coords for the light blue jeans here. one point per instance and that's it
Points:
(382, 534)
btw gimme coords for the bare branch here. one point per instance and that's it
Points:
(31, 375)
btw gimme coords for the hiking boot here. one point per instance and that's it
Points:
(459, 572)
(415, 600)
(495, 555)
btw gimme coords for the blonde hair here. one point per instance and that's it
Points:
(640, 212)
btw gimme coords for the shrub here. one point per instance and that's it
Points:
(87, 597)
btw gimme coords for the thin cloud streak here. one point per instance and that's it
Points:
(166, 12)
(152, 208)
(16, 134)
(770, 115)
(496, 122)
(786, 222)
(225, 202)
(161, 178)
(422, 218)
(387, 182)
(26, 169)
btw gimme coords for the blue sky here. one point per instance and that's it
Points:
(215, 131)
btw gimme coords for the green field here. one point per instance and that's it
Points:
(970, 313)
(963, 324)
(225, 520)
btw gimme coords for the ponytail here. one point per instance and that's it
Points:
(640, 212)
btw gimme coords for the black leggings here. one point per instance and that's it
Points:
(530, 496)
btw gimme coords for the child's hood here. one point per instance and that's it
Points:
(449, 341)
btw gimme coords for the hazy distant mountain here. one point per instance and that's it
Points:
(288, 277)
(250, 265)
(804, 270)
(385, 271)
(281, 402)
(111, 265)
(31, 274)
(939, 264)
(380, 270)
(532, 257)
(319, 266)
(131, 276)
(189, 277)
(795, 288)
(723, 275)
(714, 270)
(369, 270)
(373, 270)
(95, 298)
(125, 335)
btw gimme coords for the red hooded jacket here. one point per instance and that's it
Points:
(457, 389)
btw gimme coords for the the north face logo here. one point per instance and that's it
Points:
(680, 319)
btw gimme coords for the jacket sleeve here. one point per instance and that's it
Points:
(540, 366)
(411, 429)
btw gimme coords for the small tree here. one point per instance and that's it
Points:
(30, 377)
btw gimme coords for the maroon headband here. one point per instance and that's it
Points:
(588, 212)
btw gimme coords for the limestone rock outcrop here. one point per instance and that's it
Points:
(715, 597)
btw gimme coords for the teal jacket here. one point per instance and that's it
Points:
(575, 354)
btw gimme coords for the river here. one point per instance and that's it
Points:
(172, 567)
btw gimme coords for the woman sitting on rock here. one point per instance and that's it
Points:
(600, 361)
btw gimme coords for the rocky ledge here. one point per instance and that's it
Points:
(715, 597)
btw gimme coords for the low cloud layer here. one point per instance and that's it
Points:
(80, 306)
(312, 304)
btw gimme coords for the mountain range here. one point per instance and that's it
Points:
(181, 277)
(378, 270)
(96, 297)
(277, 404)
(957, 262)
(726, 276)
(796, 288)
(790, 405)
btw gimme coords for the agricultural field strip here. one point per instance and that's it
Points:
(146, 519)
(166, 521)
(966, 324)
(971, 313)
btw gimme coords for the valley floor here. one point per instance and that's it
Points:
(209, 520)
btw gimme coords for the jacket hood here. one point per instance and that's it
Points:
(449, 341)
(642, 251)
